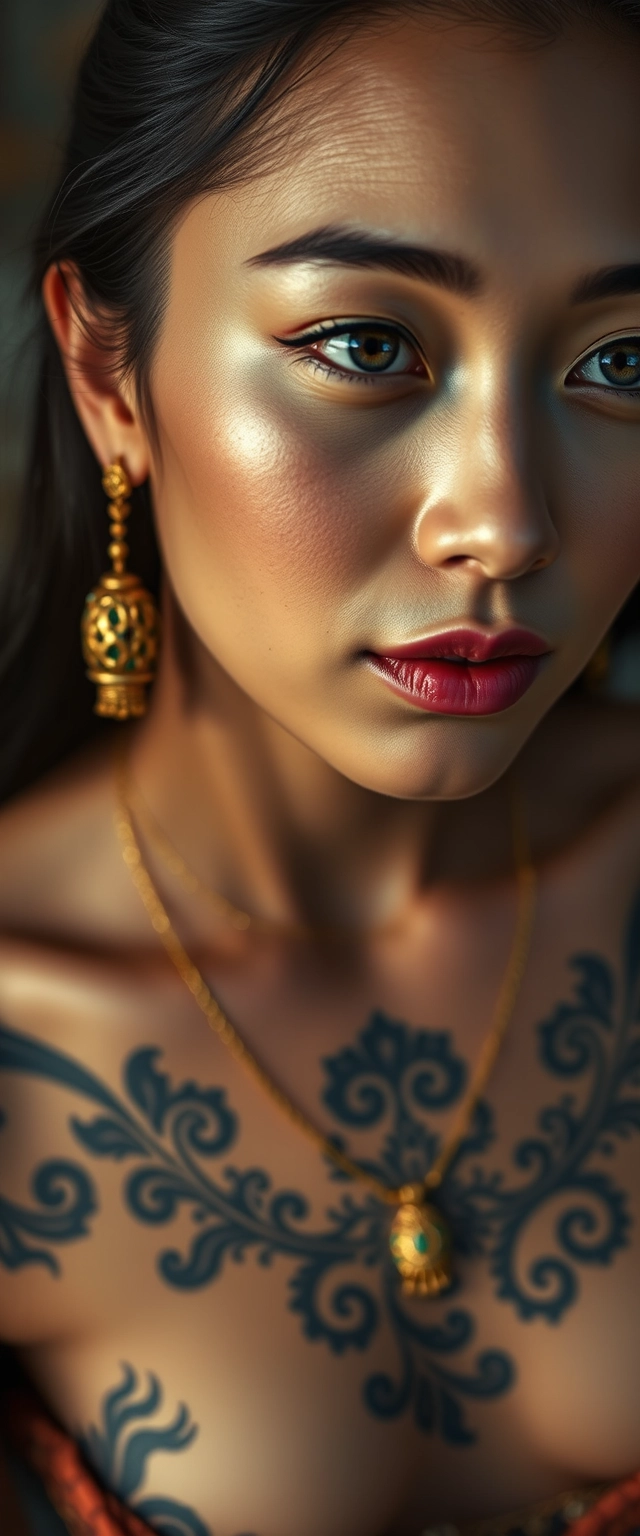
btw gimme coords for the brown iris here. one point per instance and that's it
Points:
(621, 364)
(373, 350)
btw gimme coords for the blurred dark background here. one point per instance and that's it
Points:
(40, 42)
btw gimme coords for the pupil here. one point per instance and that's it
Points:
(373, 350)
(621, 366)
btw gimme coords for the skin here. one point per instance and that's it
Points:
(304, 519)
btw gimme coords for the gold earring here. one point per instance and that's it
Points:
(120, 623)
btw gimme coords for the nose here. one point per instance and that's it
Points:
(486, 505)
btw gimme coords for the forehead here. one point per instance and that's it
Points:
(448, 135)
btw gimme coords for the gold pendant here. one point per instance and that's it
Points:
(420, 1243)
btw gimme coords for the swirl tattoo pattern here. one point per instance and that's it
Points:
(396, 1079)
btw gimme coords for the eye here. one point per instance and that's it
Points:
(360, 349)
(366, 349)
(616, 364)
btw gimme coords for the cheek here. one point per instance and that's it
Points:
(268, 514)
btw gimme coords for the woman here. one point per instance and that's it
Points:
(349, 295)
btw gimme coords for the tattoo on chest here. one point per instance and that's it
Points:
(557, 1209)
(128, 1437)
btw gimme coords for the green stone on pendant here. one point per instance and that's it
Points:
(420, 1244)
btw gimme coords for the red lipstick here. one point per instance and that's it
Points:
(463, 671)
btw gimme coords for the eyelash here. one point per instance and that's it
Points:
(331, 329)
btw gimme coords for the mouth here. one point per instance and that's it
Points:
(463, 671)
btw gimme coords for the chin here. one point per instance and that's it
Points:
(444, 759)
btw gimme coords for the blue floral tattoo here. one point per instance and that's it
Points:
(395, 1079)
(593, 1042)
(119, 1453)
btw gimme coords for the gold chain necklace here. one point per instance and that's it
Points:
(419, 1238)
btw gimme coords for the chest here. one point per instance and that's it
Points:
(170, 1239)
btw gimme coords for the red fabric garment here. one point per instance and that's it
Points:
(85, 1507)
(617, 1513)
(89, 1510)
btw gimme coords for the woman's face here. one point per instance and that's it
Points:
(362, 446)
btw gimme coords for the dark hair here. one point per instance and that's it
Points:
(174, 97)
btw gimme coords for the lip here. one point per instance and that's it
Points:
(463, 671)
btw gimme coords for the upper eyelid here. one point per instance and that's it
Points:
(334, 327)
(605, 341)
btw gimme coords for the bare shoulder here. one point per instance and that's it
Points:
(61, 876)
(74, 941)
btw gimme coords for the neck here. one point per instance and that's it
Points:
(277, 830)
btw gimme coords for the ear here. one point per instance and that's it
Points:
(107, 409)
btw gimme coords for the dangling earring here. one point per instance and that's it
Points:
(596, 671)
(120, 623)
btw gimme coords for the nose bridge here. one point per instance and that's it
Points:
(486, 500)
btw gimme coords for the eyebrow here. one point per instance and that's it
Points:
(362, 248)
(446, 269)
(607, 283)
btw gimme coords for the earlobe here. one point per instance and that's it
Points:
(109, 418)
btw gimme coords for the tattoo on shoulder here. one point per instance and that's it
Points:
(120, 1452)
(397, 1080)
